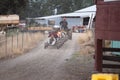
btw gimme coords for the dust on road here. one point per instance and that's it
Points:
(48, 64)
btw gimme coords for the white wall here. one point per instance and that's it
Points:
(74, 21)
(71, 21)
(41, 21)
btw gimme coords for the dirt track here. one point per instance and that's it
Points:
(49, 64)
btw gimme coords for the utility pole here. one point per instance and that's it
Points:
(55, 11)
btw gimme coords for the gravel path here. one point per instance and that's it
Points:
(49, 64)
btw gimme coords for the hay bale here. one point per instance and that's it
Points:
(85, 37)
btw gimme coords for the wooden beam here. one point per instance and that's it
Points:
(111, 66)
(112, 49)
(112, 58)
(98, 55)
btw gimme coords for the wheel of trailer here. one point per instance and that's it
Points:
(46, 45)
(66, 39)
(57, 47)
(70, 35)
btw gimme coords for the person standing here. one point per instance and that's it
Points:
(64, 24)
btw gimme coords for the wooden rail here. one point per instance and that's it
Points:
(111, 58)
(111, 66)
(112, 49)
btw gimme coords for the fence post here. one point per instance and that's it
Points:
(17, 39)
(6, 44)
(12, 42)
(22, 40)
(0, 45)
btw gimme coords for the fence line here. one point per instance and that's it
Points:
(18, 43)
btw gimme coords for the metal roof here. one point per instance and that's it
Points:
(88, 9)
(86, 12)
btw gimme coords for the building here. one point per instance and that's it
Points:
(80, 17)
(107, 28)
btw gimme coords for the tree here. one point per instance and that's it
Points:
(12, 6)
(39, 8)
(62, 6)
(66, 6)
(87, 3)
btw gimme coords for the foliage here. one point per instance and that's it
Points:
(47, 7)
(35, 8)
(12, 7)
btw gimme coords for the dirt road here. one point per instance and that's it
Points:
(48, 64)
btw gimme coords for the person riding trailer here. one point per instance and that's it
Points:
(64, 24)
